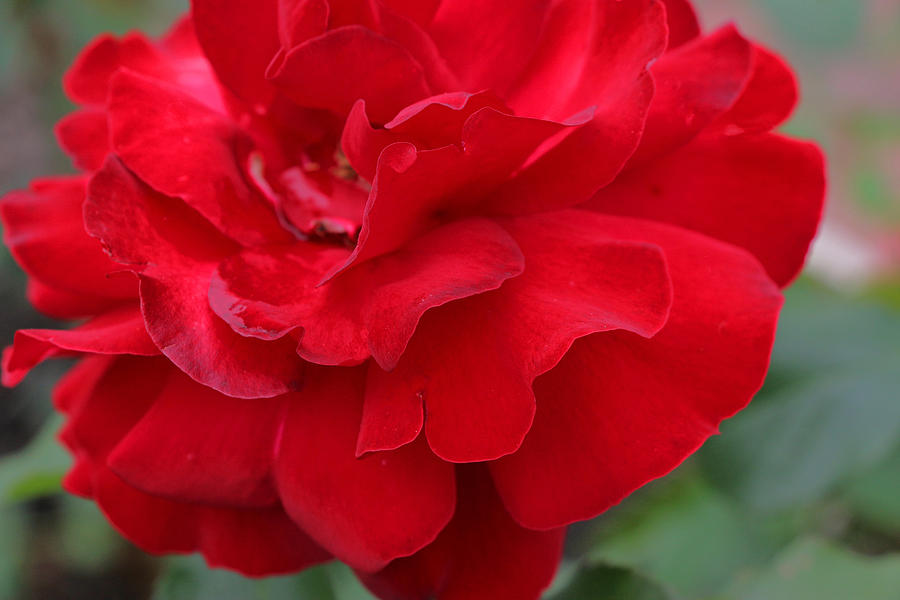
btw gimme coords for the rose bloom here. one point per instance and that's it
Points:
(410, 284)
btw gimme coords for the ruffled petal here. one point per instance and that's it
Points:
(414, 190)
(371, 310)
(184, 149)
(761, 192)
(366, 511)
(488, 44)
(482, 554)
(240, 66)
(197, 445)
(44, 230)
(431, 123)
(255, 542)
(85, 137)
(176, 60)
(695, 84)
(118, 331)
(767, 100)
(175, 252)
(612, 77)
(682, 21)
(63, 305)
(620, 410)
(336, 69)
(476, 384)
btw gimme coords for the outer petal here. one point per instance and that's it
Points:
(371, 310)
(176, 60)
(760, 192)
(336, 69)
(85, 137)
(768, 99)
(44, 230)
(622, 38)
(367, 511)
(197, 445)
(181, 148)
(118, 331)
(695, 84)
(488, 44)
(63, 305)
(476, 383)
(240, 66)
(620, 410)
(253, 541)
(482, 555)
(682, 21)
(175, 252)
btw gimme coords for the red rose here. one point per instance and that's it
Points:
(413, 284)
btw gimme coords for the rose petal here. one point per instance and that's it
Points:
(118, 331)
(63, 305)
(624, 38)
(485, 43)
(620, 410)
(761, 192)
(197, 445)
(412, 188)
(371, 310)
(431, 123)
(336, 69)
(367, 511)
(768, 99)
(688, 98)
(241, 67)
(481, 555)
(44, 230)
(84, 136)
(683, 23)
(181, 148)
(254, 542)
(175, 253)
(476, 383)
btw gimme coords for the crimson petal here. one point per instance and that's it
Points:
(336, 69)
(482, 554)
(182, 148)
(175, 252)
(118, 331)
(366, 511)
(476, 383)
(44, 229)
(197, 445)
(620, 410)
(761, 192)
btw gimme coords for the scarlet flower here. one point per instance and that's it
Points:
(413, 284)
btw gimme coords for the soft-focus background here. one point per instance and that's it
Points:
(799, 500)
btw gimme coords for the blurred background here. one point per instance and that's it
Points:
(799, 500)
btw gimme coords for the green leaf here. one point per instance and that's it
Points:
(833, 410)
(813, 569)
(188, 578)
(12, 556)
(874, 495)
(685, 536)
(37, 469)
(603, 582)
